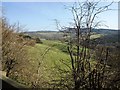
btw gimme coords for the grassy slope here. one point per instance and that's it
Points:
(47, 61)
(47, 56)
(53, 53)
(56, 44)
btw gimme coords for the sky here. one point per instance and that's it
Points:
(39, 16)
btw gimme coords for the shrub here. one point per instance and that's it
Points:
(14, 51)
(38, 40)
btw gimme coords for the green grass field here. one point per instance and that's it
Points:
(48, 55)
(43, 59)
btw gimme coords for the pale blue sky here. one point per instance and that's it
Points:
(40, 15)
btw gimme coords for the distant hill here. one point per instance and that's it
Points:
(108, 35)
(72, 30)
(97, 31)
(49, 35)
(105, 31)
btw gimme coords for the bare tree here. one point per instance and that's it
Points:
(85, 73)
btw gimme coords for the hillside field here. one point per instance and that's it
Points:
(44, 57)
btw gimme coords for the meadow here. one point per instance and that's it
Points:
(44, 61)
(43, 58)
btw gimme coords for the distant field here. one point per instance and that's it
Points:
(96, 36)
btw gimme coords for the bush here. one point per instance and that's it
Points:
(38, 40)
(14, 51)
